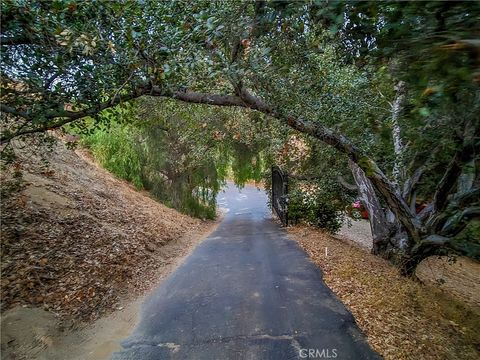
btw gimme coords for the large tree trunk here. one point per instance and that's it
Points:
(376, 215)
(344, 145)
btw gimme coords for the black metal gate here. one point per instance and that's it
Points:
(280, 194)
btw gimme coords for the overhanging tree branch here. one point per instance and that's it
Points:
(12, 111)
(247, 100)
(56, 119)
(395, 202)
(200, 98)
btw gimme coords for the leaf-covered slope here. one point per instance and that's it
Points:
(74, 238)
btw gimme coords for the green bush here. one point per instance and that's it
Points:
(315, 210)
(117, 152)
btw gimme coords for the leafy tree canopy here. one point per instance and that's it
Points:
(392, 86)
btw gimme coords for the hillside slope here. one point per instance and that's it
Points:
(75, 240)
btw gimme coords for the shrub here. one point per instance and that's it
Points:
(315, 210)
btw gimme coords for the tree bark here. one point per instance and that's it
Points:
(463, 156)
(398, 146)
(466, 179)
(346, 184)
(376, 215)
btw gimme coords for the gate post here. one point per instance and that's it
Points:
(280, 194)
(285, 184)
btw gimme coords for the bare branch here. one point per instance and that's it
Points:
(398, 145)
(201, 98)
(12, 111)
(463, 155)
(412, 181)
(456, 223)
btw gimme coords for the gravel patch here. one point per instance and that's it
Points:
(358, 232)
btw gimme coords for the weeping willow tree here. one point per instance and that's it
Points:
(182, 155)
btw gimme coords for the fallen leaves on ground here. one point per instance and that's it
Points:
(402, 318)
(75, 240)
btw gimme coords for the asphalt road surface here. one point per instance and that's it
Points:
(246, 292)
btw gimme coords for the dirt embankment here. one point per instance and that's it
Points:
(402, 318)
(76, 241)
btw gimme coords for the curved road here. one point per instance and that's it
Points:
(246, 292)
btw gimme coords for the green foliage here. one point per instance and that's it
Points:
(116, 149)
(320, 202)
(315, 197)
(332, 63)
(181, 154)
(315, 210)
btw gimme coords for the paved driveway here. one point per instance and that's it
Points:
(246, 292)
